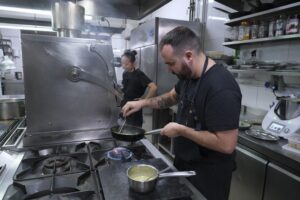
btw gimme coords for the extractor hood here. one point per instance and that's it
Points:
(129, 9)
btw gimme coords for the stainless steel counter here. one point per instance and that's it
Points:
(10, 160)
(272, 150)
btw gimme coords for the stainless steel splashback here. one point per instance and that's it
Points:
(68, 89)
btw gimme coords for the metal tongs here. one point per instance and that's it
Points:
(122, 126)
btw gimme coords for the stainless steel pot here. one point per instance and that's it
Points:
(288, 108)
(11, 108)
(142, 178)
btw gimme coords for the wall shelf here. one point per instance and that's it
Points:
(274, 73)
(236, 44)
(287, 9)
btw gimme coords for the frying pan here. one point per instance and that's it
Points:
(131, 133)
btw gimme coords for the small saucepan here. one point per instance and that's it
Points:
(131, 133)
(142, 178)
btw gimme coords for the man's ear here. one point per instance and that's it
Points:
(188, 56)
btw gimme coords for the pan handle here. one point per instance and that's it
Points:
(155, 131)
(177, 174)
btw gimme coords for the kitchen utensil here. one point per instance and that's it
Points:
(11, 108)
(122, 126)
(262, 135)
(131, 133)
(142, 178)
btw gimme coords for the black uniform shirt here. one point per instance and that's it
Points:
(134, 84)
(217, 104)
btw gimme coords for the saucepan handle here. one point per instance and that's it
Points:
(178, 174)
(155, 131)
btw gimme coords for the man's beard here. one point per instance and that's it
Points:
(185, 72)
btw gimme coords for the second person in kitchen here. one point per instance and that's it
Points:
(136, 85)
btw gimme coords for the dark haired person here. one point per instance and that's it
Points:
(135, 83)
(209, 101)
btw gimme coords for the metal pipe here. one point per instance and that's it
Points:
(67, 19)
(192, 10)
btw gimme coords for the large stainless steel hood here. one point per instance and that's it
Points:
(129, 9)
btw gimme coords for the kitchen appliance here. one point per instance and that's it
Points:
(283, 118)
(76, 171)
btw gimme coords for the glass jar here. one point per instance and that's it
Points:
(280, 25)
(254, 30)
(292, 25)
(231, 34)
(244, 31)
(272, 26)
(263, 30)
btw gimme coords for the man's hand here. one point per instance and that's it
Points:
(131, 107)
(172, 129)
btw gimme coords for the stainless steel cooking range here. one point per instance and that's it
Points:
(91, 170)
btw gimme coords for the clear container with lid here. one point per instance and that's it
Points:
(244, 31)
(272, 27)
(280, 25)
(254, 30)
(263, 29)
(294, 140)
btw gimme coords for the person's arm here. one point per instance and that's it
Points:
(163, 101)
(221, 141)
(151, 90)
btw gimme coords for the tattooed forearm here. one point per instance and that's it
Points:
(163, 101)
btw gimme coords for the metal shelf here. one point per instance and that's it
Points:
(275, 73)
(290, 8)
(236, 44)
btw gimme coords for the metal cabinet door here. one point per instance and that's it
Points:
(247, 181)
(148, 63)
(281, 184)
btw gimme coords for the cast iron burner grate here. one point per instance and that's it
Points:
(56, 150)
(56, 164)
(31, 168)
(77, 186)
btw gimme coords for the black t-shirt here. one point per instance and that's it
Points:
(217, 104)
(134, 84)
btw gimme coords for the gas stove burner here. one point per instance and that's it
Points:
(119, 153)
(56, 164)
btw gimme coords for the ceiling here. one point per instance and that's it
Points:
(114, 10)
